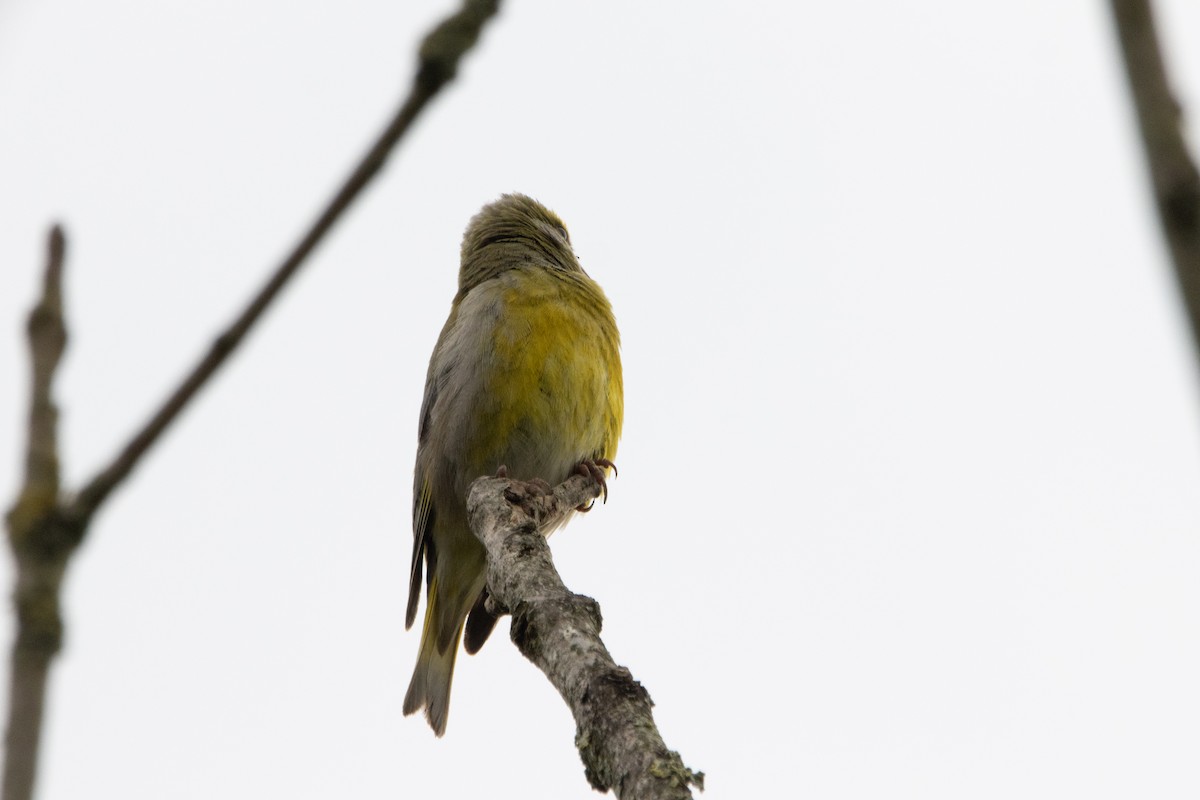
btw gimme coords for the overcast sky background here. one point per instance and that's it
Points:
(909, 500)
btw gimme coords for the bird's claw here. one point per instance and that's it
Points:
(594, 469)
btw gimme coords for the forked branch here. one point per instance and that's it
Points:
(45, 523)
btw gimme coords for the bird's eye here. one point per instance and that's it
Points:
(562, 231)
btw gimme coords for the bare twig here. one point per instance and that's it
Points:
(439, 56)
(1173, 173)
(45, 523)
(559, 631)
(39, 536)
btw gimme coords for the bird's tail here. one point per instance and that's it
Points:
(430, 685)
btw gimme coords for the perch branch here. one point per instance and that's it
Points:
(559, 632)
(1173, 175)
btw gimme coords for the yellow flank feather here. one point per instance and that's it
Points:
(546, 383)
(526, 374)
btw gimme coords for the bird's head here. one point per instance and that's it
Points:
(511, 232)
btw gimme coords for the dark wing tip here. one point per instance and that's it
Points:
(480, 623)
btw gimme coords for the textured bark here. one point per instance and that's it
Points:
(1173, 174)
(559, 632)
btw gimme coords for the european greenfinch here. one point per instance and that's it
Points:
(525, 381)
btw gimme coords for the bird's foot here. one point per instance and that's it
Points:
(594, 469)
(521, 492)
(540, 486)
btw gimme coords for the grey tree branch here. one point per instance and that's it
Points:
(46, 524)
(1173, 174)
(559, 632)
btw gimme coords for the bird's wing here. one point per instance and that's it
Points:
(423, 511)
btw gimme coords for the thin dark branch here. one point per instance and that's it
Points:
(47, 340)
(1173, 174)
(559, 632)
(439, 57)
(40, 543)
(45, 524)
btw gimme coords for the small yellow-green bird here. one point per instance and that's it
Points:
(525, 376)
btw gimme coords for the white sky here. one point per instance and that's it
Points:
(909, 502)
